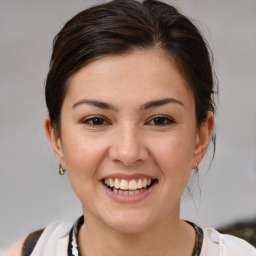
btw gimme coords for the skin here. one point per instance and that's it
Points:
(129, 139)
(15, 249)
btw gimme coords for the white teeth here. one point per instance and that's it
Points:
(132, 185)
(116, 183)
(124, 184)
(111, 183)
(128, 192)
(140, 183)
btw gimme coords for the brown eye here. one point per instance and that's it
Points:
(96, 121)
(161, 121)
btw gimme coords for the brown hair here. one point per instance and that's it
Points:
(122, 26)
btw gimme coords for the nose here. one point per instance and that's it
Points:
(128, 145)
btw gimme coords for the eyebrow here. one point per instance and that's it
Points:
(96, 103)
(158, 103)
(147, 105)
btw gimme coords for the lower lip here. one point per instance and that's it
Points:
(129, 198)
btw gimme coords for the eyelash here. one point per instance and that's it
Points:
(99, 121)
(94, 119)
(164, 120)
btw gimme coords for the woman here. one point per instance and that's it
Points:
(130, 98)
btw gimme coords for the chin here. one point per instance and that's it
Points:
(129, 222)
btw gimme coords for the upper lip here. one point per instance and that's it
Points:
(129, 176)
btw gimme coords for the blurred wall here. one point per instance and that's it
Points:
(32, 194)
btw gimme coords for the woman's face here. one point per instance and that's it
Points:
(129, 121)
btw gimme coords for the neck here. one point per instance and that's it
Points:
(164, 238)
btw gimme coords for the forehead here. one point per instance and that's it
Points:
(133, 76)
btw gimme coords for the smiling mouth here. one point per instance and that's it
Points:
(128, 187)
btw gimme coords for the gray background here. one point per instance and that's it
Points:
(32, 194)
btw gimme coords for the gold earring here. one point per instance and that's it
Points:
(196, 168)
(61, 171)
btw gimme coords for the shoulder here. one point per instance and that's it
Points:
(215, 243)
(239, 246)
(15, 249)
(41, 240)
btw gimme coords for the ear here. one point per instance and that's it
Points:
(203, 138)
(54, 140)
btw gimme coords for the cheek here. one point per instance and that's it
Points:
(83, 158)
(174, 156)
(83, 154)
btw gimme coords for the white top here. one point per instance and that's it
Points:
(54, 242)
